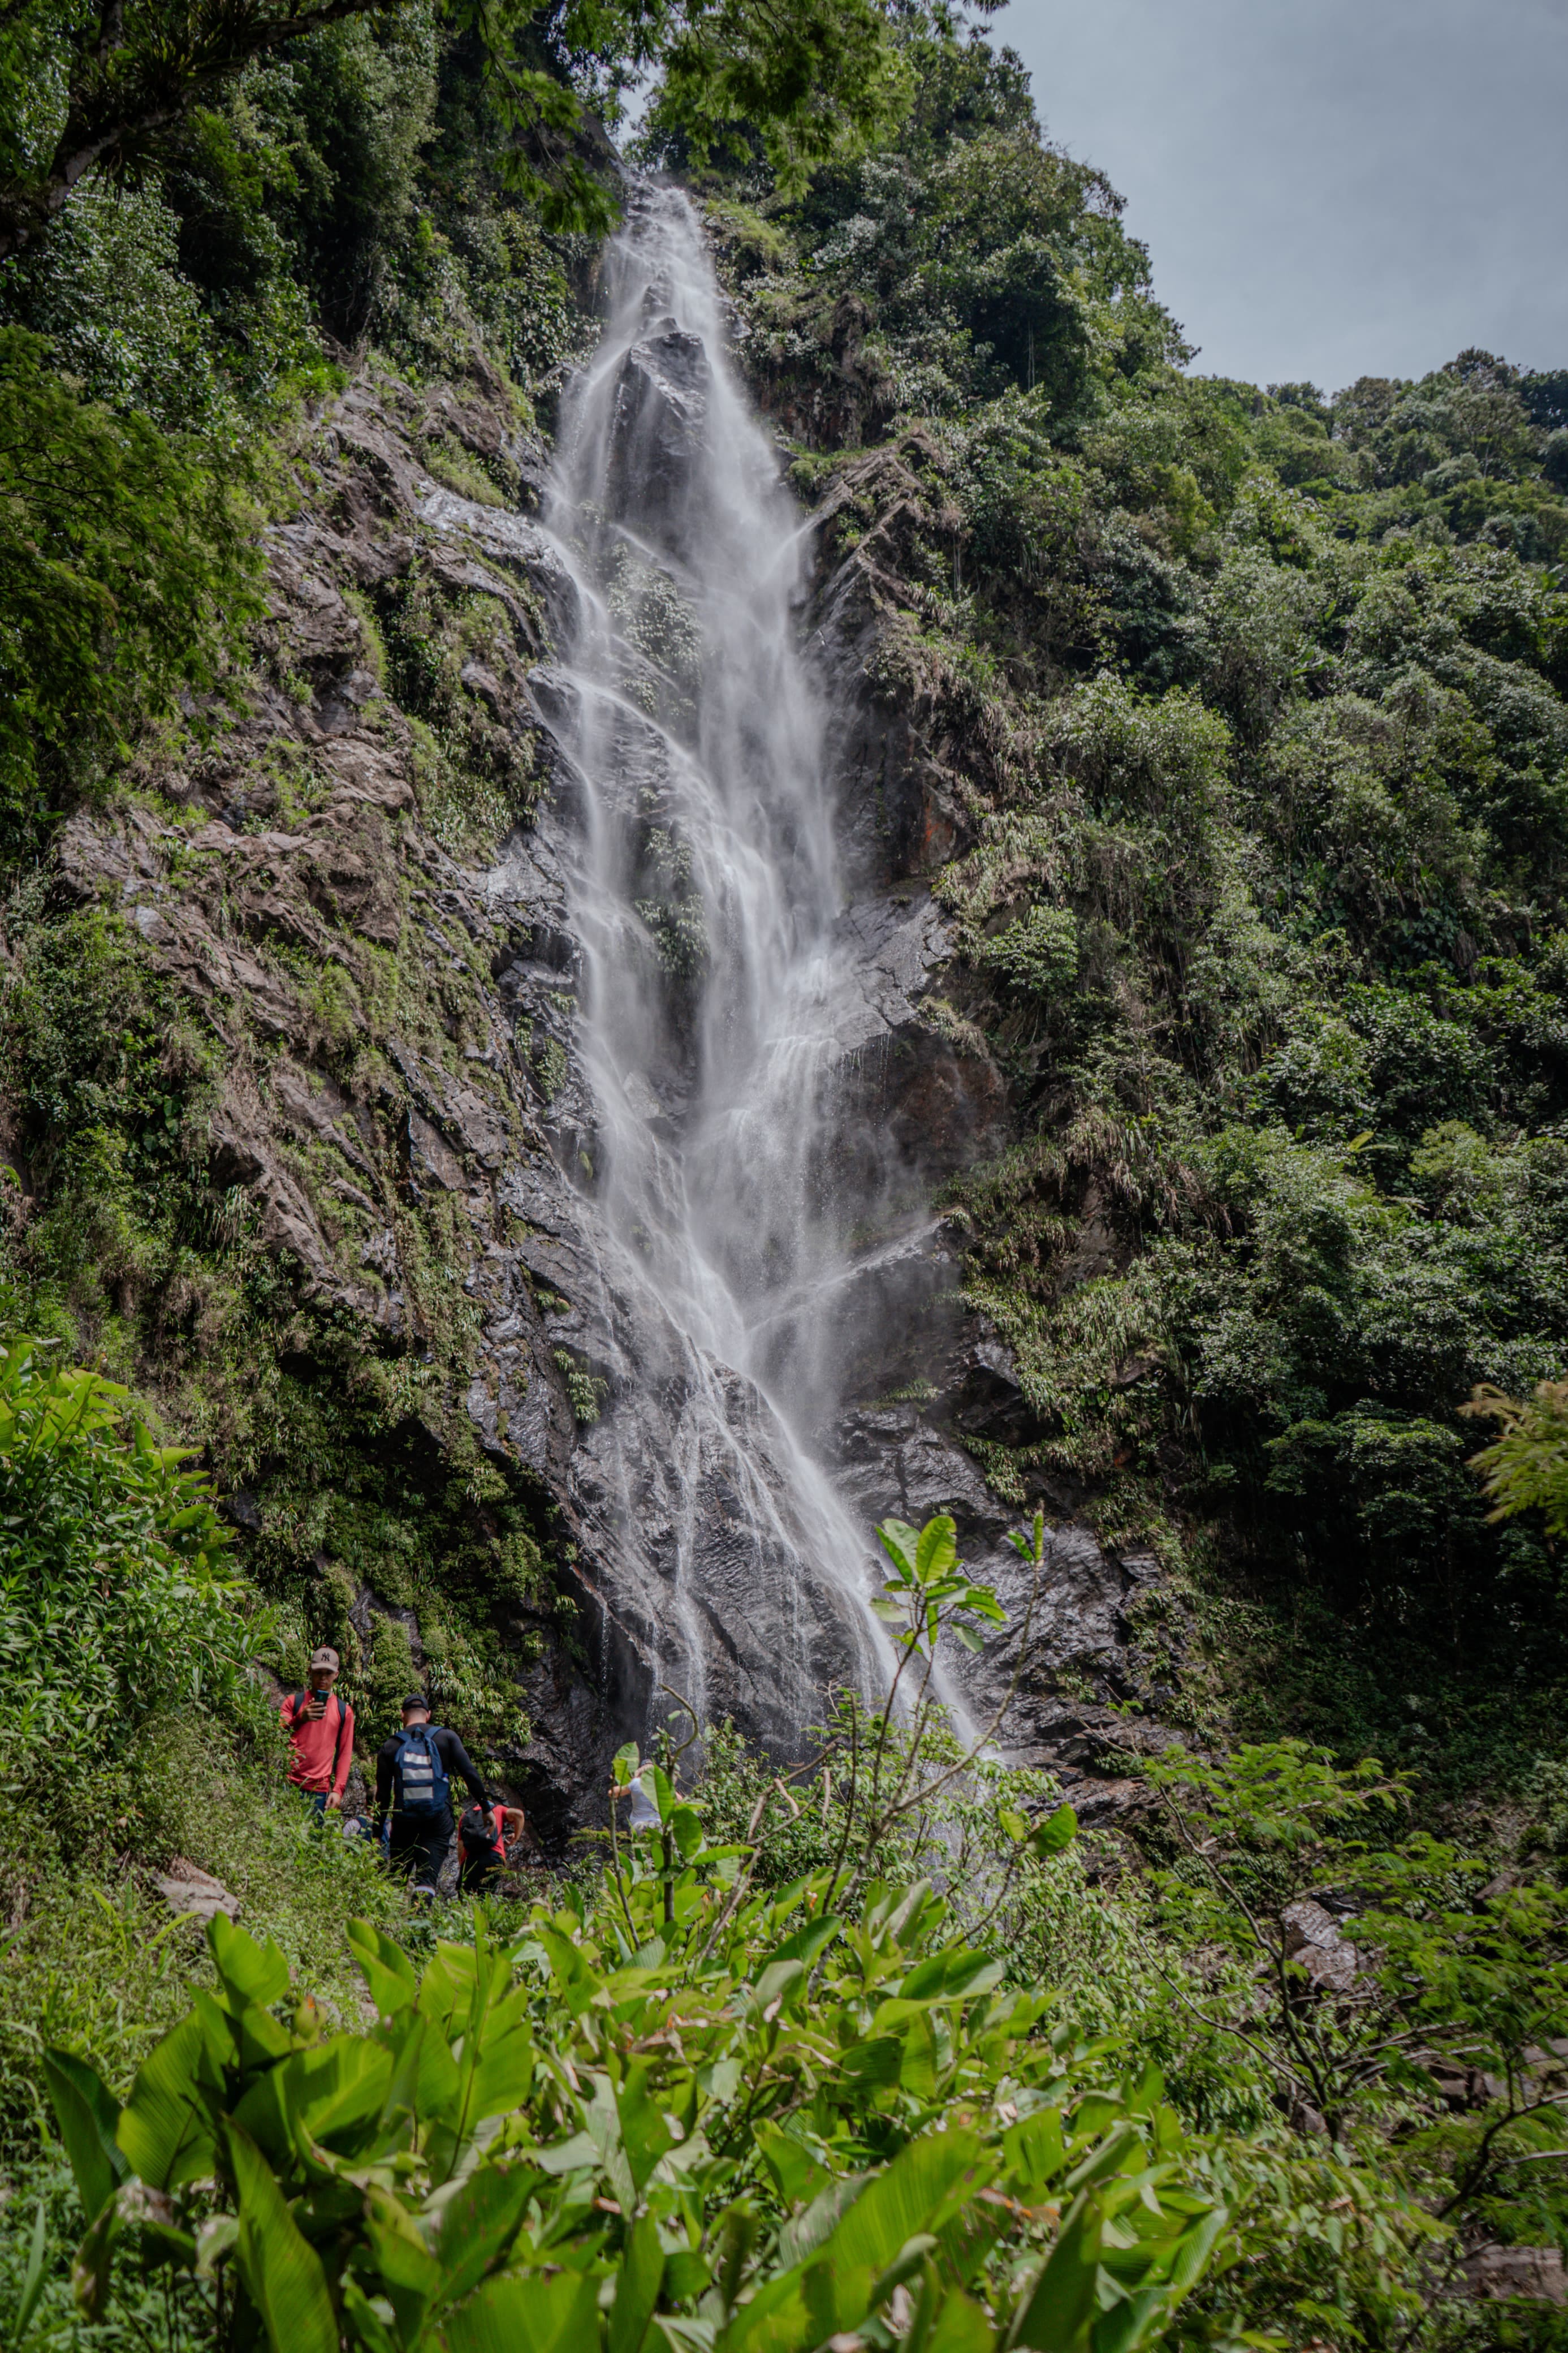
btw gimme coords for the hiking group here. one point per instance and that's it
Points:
(414, 1769)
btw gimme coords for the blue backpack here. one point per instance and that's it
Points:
(422, 1784)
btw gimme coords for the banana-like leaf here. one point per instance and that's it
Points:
(282, 2271)
(503, 2078)
(514, 2314)
(687, 1825)
(478, 2221)
(645, 2130)
(907, 2198)
(637, 2288)
(412, 2279)
(88, 2114)
(365, 2323)
(387, 1969)
(164, 2131)
(1059, 2313)
(250, 1974)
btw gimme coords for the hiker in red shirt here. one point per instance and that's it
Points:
(321, 1729)
(482, 1836)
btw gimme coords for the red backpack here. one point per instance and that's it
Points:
(478, 1835)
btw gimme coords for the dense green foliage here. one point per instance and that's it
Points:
(84, 92)
(1247, 712)
(1247, 734)
(762, 2118)
(125, 583)
(116, 1593)
(759, 2083)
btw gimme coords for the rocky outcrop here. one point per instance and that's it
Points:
(399, 1099)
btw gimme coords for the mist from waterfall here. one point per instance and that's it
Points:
(704, 895)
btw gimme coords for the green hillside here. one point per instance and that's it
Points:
(1238, 721)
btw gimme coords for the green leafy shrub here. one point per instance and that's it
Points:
(117, 1596)
(124, 579)
(741, 2121)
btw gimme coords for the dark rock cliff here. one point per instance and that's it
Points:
(402, 1115)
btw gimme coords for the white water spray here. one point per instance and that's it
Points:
(704, 897)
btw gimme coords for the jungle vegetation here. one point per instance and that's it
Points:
(1249, 704)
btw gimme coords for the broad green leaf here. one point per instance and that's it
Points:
(637, 2288)
(366, 2325)
(88, 2115)
(516, 2314)
(1128, 2324)
(805, 1944)
(626, 1764)
(478, 2222)
(687, 1825)
(796, 2171)
(573, 2156)
(411, 2277)
(901, 1543)
(282, 2271)
(662, 1791)
(388, 1972)
(218, 2030)
(645, 2131)
(901, 2202)
(809, 2231)
(936, 1549)
(875, 2064)
(337, 2092)
(780, 1982)
(1055, 1835)
(248, 1972)
(503, 2078)
(1121, 2151)
(961, 2327)
(163, 2130)
(1196, 2245)
(953, 1976)
(1058, 2311)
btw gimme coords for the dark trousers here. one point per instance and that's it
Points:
(419, 1847)
(477, 1872)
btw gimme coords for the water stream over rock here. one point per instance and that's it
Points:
(718, 994)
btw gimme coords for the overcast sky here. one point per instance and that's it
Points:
(1328, 188)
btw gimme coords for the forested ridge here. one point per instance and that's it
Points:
(1236, 724)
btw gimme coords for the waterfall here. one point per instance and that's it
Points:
(715, 998)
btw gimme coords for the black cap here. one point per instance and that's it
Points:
(416, 1699)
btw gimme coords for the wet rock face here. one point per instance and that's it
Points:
(656, 428)
(458, 1102)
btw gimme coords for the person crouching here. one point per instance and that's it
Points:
(485, 1836)
(414, 1773)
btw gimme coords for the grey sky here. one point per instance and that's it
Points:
(1328, 188)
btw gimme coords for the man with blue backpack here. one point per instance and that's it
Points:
(413, 1774)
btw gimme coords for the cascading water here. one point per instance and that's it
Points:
(712, 997)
